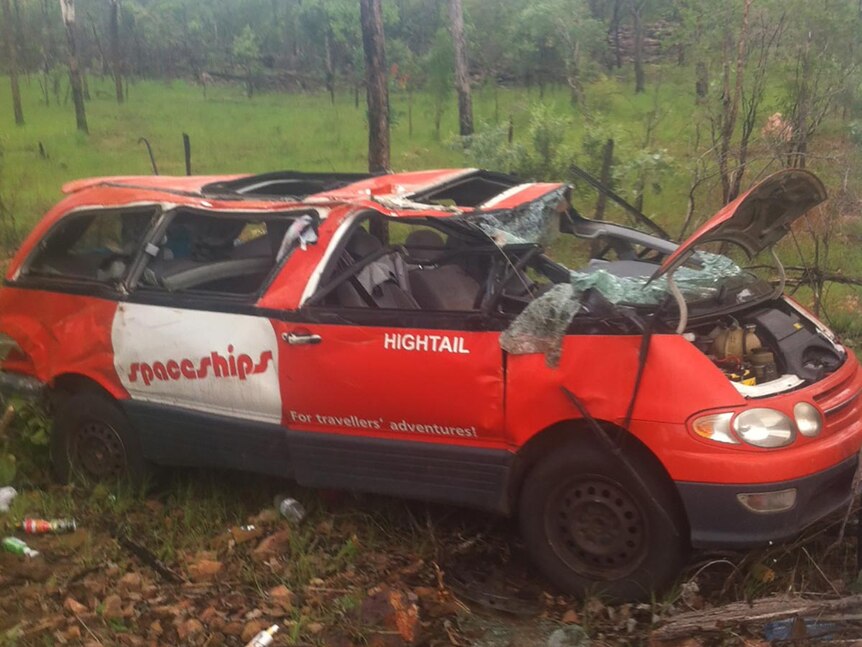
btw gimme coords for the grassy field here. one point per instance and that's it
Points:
(230, 133)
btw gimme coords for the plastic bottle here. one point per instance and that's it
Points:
(6, 495)
(18, 547)
(291, 509)
(45, 526)
(264, 638)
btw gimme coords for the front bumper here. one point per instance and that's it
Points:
(22, 386)
(718, 520)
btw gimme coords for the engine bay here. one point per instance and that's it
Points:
(768, 350)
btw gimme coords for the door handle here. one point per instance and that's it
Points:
(301, 339)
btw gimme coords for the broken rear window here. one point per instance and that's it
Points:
(95, 246)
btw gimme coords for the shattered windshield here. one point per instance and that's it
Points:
(533, 222)
(708, 281)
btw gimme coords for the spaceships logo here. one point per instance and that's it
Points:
(214, 364)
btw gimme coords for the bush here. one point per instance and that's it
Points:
(545, 156)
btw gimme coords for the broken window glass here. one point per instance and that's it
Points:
(541, 326)
(533, 222)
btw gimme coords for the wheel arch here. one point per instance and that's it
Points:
(65, 384)
(579, 431)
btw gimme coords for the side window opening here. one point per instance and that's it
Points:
(97, 246)
(224, 254)
(428, 267)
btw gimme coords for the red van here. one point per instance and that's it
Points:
(409, 334)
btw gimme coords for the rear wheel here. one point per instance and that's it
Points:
(592, 527)
(93, 441)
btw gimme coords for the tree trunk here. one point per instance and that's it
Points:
(605, 178)
(103, 62)
(330, 72)
(730, 104)
(799, 136)
(614, 29)
(377, 89)
(496, 100)
(638, 23)
(116, 57)
(410, 111)
(68, 9)
(11, 38)
(46, 52)
(573, 76)
(701, 84)
(462, 76)
(602, 200)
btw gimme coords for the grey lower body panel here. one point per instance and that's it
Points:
(448, 473)
(718, 520)
(470, 476)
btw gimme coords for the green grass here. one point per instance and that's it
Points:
(272, 131)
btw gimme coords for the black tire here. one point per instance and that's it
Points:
(92, 441)
(594, 529)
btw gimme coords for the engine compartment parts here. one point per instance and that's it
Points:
(804, 351)
(770, 350)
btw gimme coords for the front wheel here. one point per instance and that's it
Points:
(93, 441)
(592, 527)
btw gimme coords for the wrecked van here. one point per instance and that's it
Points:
(409, 334)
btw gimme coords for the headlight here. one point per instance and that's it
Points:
(808, 419)
(715, 427)
(764, 428)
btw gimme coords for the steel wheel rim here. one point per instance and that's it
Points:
(98, 450)
(596, 527)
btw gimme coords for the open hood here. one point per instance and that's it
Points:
(757, 219)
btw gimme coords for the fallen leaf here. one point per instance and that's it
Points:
(71, 604)
(762, 573)
(390, 609)
(188, 628)
(73, 633)
(204, 570)
(265, 516)
(156, 628)
(242, 534)
(251, 629)
(276, 544)
(112, 607)
(130, 582)
(282, 596)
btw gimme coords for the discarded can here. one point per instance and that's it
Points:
(291, 509)
(264, 638)
(46, 526)
(6, 495)
(18, 547)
